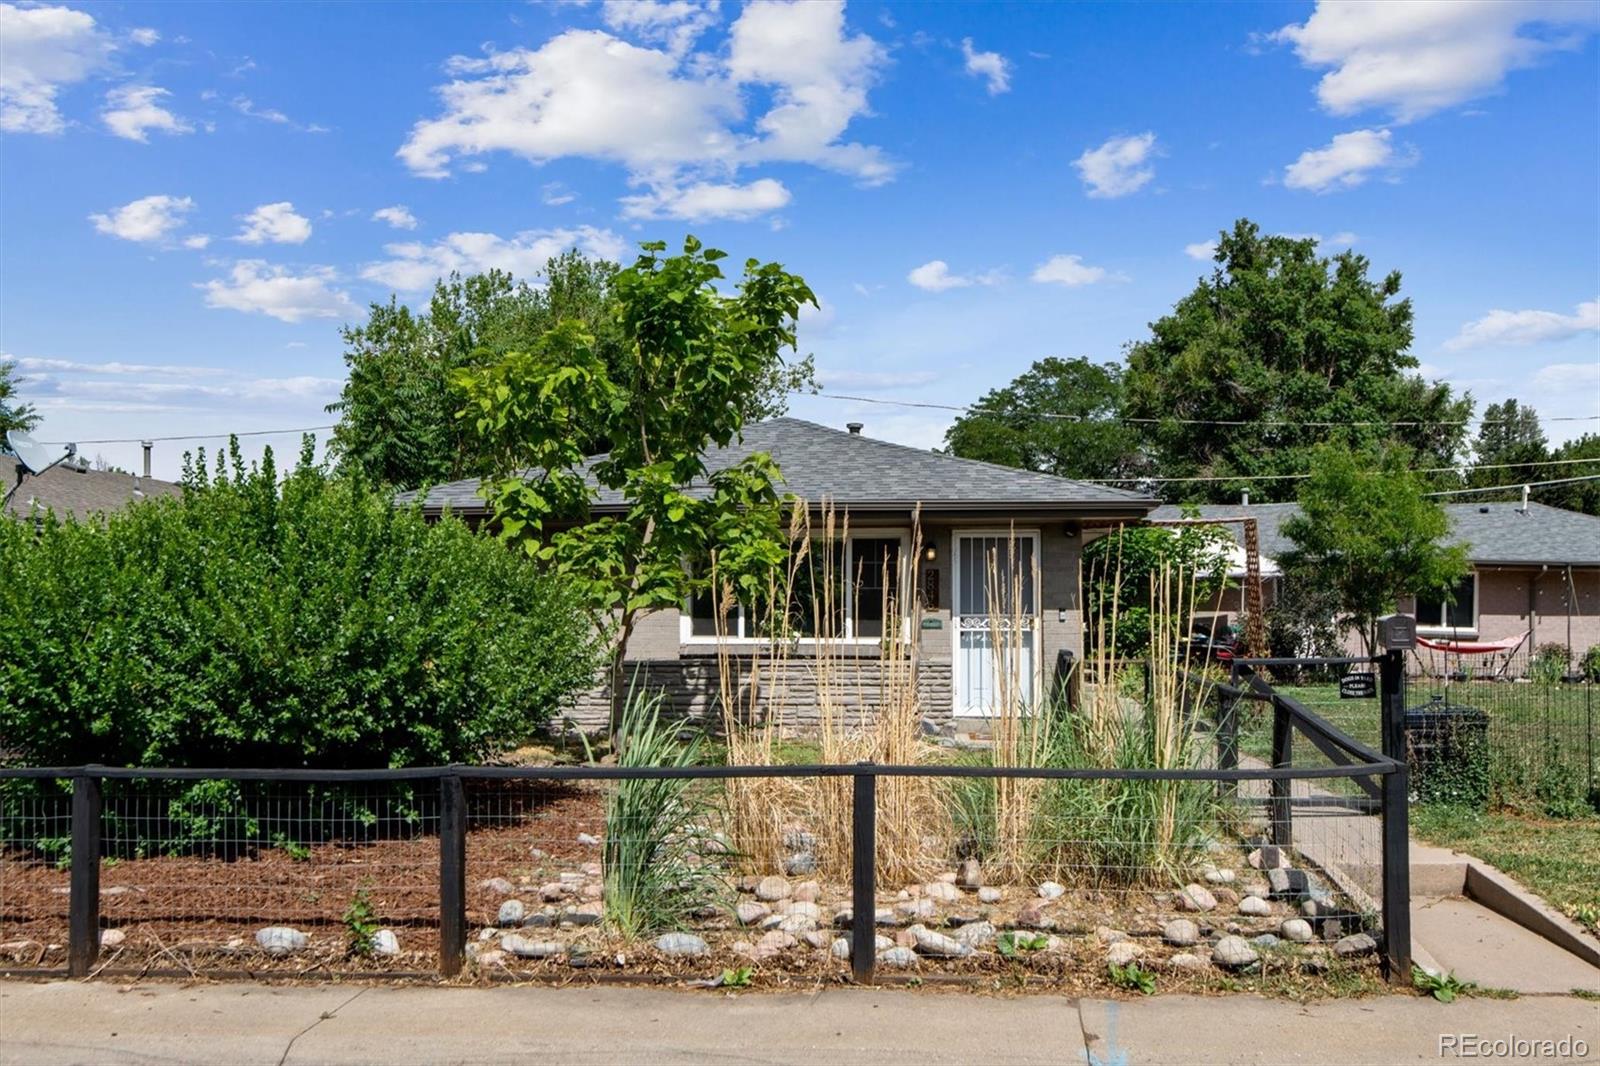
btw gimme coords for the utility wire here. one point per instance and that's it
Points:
(976, 409)
(1507, 488)
(1298, 477)
(193, 436)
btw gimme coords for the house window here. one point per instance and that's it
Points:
(1458, 611)
(839, 592)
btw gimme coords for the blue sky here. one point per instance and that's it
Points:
(194, 198)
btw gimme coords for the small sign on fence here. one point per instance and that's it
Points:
(1358, 687)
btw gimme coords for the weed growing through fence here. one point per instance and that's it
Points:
(361, 925)
(657, 830)
(1444, 987)
(1132, 978)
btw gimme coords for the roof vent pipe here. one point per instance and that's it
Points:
(1525, 499)
(1244, 498)
(146, 445)
(854, 428)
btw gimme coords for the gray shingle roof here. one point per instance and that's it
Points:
(860, 472)
(1492, 532)
(76, 492)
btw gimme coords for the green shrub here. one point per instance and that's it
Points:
(1550, 663)
(1591, 664)
(248, 623)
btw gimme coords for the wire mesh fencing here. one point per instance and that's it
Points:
(1195, 870)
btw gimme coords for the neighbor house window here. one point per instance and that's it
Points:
(841, 592)
(1458, 611)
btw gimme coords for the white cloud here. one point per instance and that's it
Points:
(876, 380)
(150, 219)
(1413, 59)
(990, 66)
(71, 366)
(197, 242)
(674, 121)
(131, 111)
(1347, 161)
(935, 276)
(1343, 239)
(554, 194)
(413, 266)
(1572, 378)
(1119, 166)
(398, 216)
(1203, 250)
(275, 223)
(254, 286)
(677, 24)
(1070, 270)
(1521, 328)
(144, 36)
(704, 201)
(246, 106)
(43, 49)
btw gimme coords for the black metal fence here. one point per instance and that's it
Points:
(406, 863)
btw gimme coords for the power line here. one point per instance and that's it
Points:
(1051, 416)
(1298, 477)
(194, 436)
(1507, 488)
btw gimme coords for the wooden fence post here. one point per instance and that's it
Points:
(863, 886)
(83, 926)
(452, 874)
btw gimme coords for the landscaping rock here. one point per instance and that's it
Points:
(807, 892)
(525, 948)
(747, 883)
(1033, 917)
(1287, 884)
(912, 909)
(1234, 953)
(815, 938)
(1354, 945)
(1123, 952)
(1185, 961)
(1265, 940)
(750, 913)
(805, 909)
(591, 869)
(930, 943)
(1216, 876)
(589, 839)
(976, 935)
(112, 938)
(511, 913)
(840, 948)
(970, 876)
(488, 934)
(588, 914)
(280, 940)
(1181, 932)
(1051, 890)
(800, 864)
(384, 942)
(898, 958)
(773, 944)
(990, 895)
(1268, 857)
(553, 892)
(799, 840)
(593, 892)
(941, 892)
(772, 889)
(492, 957)
(1196, 898)
(1255, 907)
(1107, 935)
(498, 885)
(1296, 930)
(681, 944)
(797, 923)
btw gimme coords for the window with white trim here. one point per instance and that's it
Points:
(841, 591)
(1456, 612)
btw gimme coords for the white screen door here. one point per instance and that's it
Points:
(996, 620)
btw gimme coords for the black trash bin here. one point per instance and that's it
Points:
(1447, 752)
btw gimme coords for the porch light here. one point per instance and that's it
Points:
(930, 553)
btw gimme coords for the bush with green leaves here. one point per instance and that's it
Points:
(307, 623)
(1590, 667)
(1550, 662)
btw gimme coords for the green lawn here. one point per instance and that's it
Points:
(1558, 858)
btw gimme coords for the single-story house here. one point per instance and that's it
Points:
(75, 489)
(965, 513)
(1535, 574)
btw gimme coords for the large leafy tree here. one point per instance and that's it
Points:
(1058, 417)
(1367, 533)
(1278, 351)
(693, 364)
(1575, 495)
(397, 411)
(14, 414)
(1509, 437)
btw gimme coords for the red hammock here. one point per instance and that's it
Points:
(1475, 647)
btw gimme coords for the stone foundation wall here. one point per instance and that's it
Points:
(854, 688)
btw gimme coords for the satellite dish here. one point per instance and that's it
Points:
(36, 458)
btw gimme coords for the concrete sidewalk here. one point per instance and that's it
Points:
(104, 1022)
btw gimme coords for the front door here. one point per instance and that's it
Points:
(996, 620)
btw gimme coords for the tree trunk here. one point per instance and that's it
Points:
(619, 679)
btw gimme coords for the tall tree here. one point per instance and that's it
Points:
(1278, 351)
(1367, 532)
(1509, 436)
(695, 361)
(14, 414)
(398, 408)
(1057, 417)
(1575, 495)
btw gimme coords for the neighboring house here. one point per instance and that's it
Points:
(76, 490)
(966, 513)
(1535, 571)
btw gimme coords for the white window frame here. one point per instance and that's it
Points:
(1447, 630)
(736, 618)
(1036, 535)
